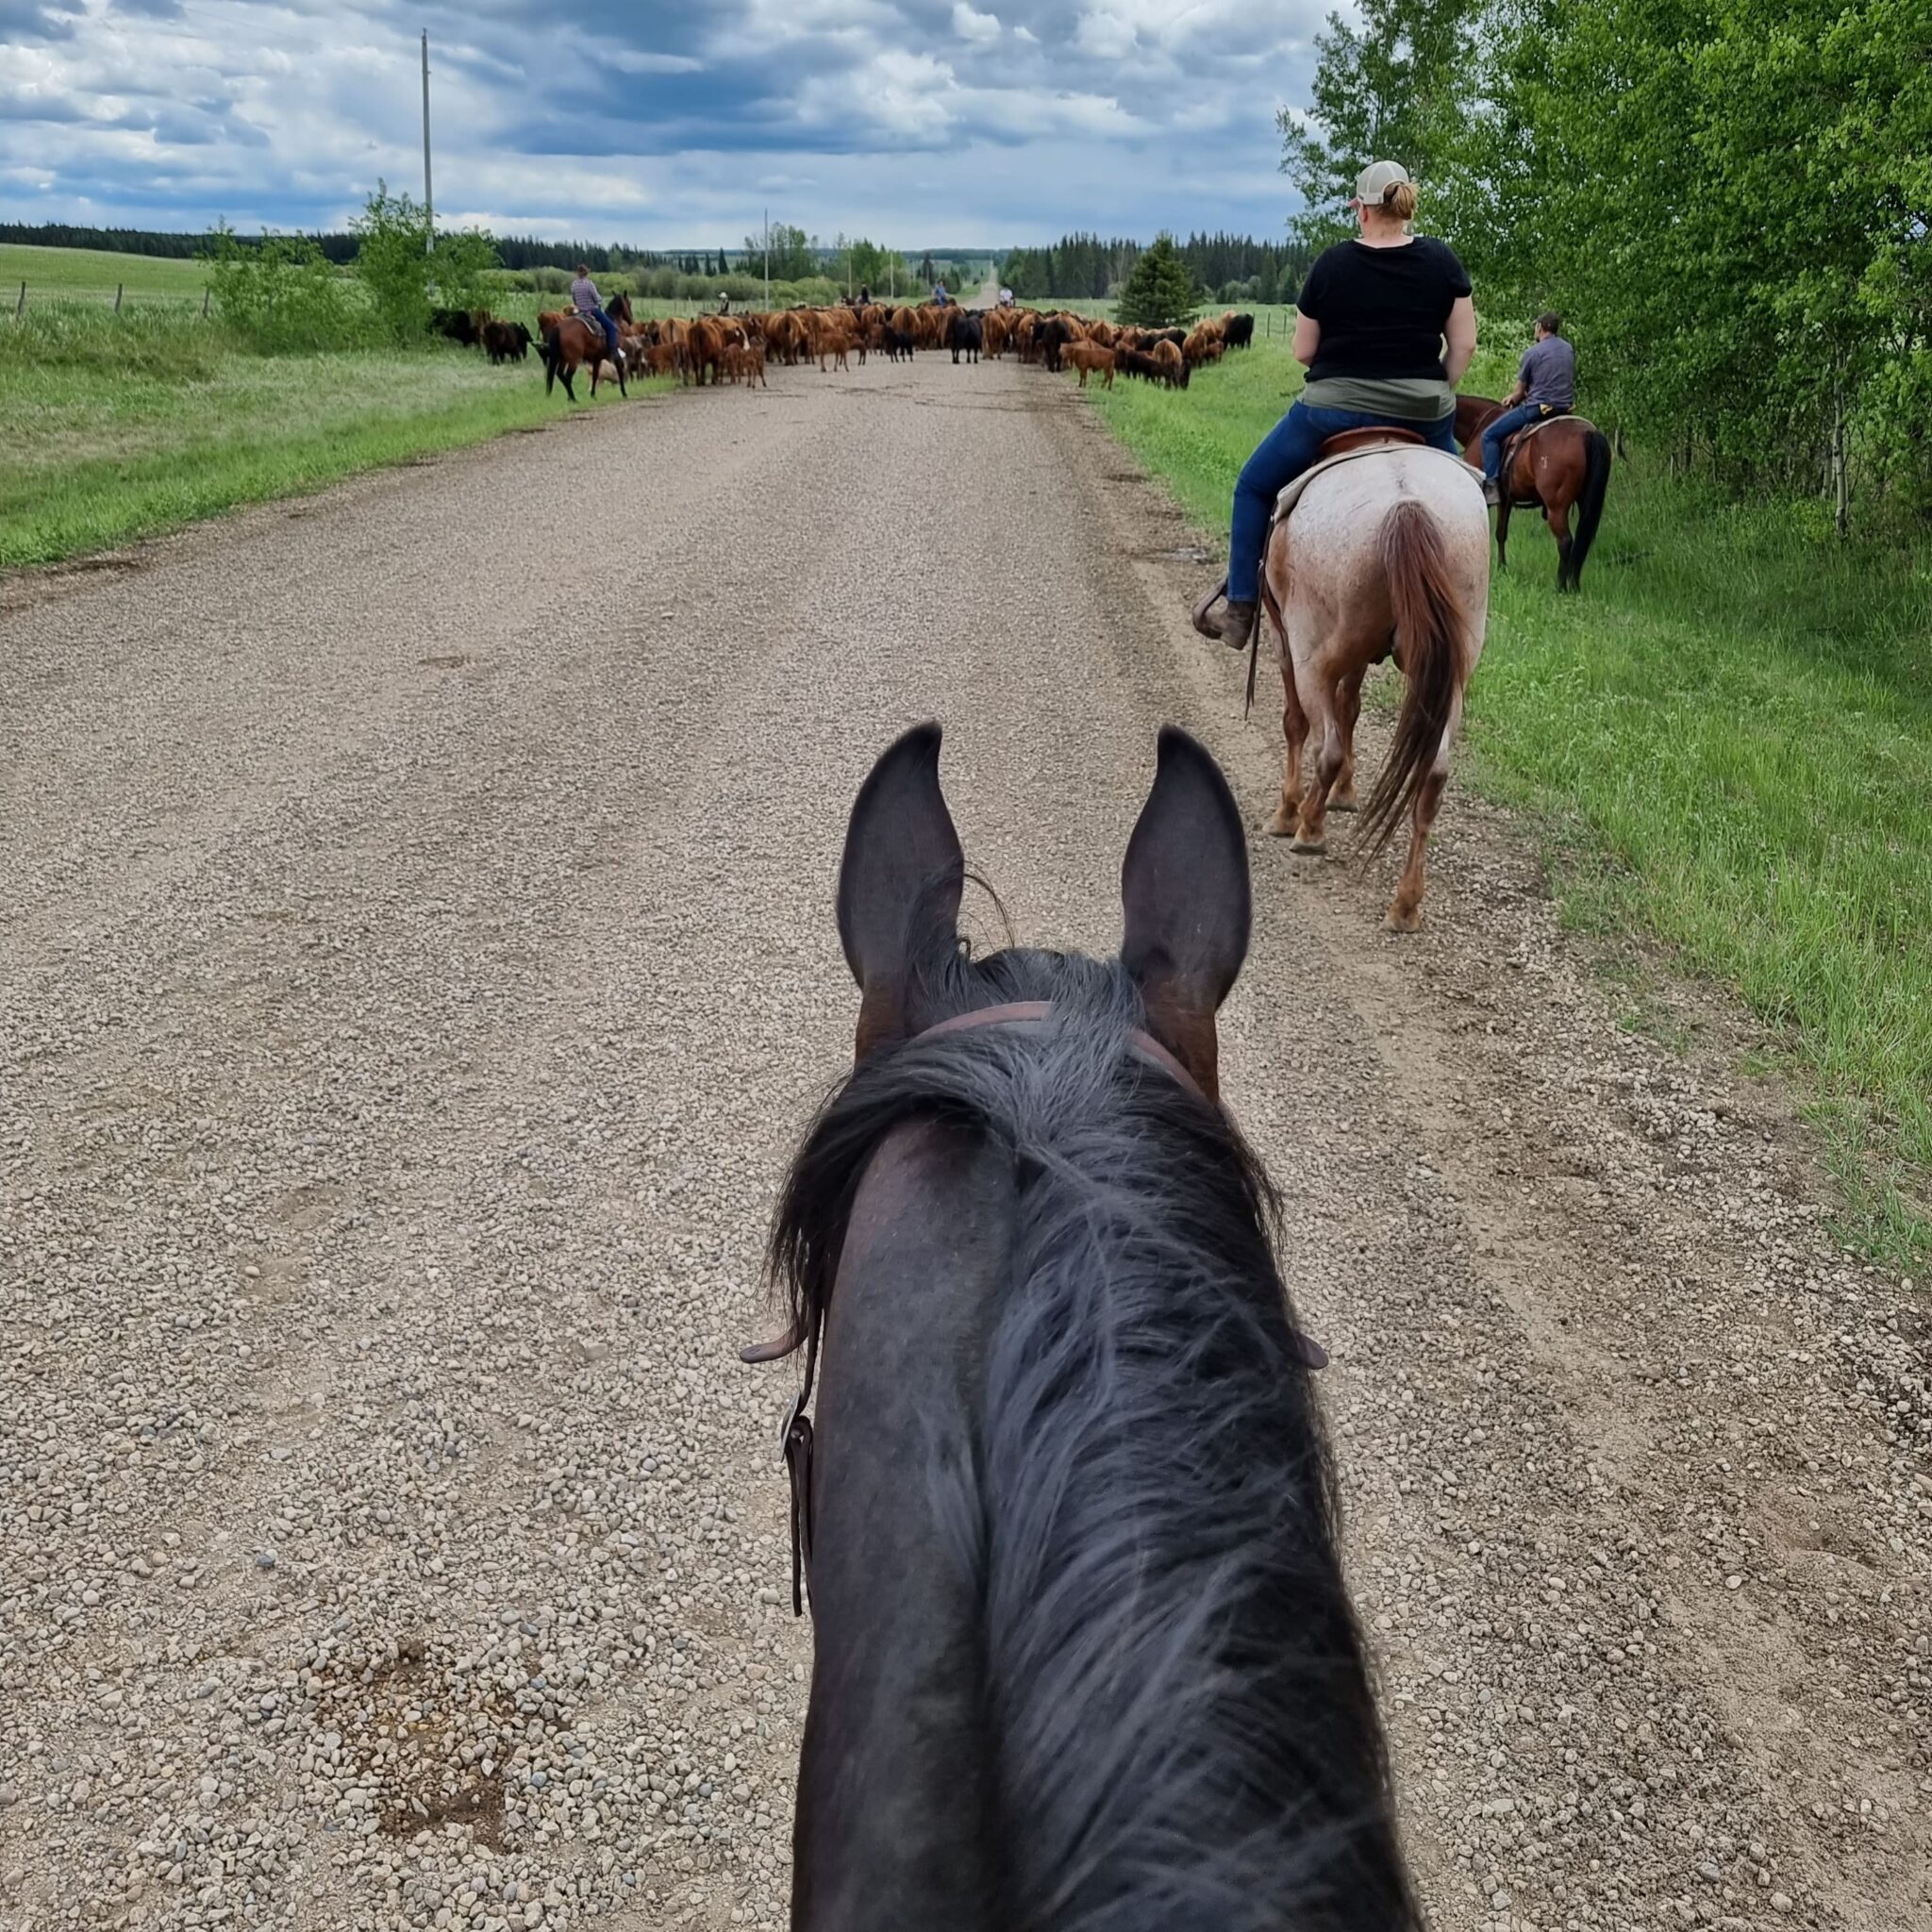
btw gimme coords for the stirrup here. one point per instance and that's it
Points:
(1203, 622)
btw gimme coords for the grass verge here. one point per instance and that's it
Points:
(123, 426)
(1726, 740)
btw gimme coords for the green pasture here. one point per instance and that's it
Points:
(121, 427)
(54, 274)
(1727, 740)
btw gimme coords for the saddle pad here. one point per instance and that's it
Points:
(1292, 493)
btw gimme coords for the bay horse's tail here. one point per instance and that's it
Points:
(1590, 504)
(1429, 623)
(552, 353)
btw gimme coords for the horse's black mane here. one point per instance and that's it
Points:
(1174, 1676)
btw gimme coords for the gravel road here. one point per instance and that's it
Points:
(416, 962)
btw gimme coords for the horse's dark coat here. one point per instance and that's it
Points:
(1084, 1659)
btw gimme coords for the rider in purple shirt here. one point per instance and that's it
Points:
(1546, 385)
(589, 305)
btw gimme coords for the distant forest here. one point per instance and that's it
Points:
(1231, 268)
(516, 251)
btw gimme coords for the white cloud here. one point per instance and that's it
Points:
(1105, 35)
(1027, 34)
(968, 25)
(635, 61)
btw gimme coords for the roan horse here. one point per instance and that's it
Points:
(1083, 1657)
(1384, 554)
(1567, 461)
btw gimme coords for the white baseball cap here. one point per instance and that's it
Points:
(1375, 182)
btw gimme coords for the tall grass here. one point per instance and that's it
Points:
(1727, 740)
(121, 426)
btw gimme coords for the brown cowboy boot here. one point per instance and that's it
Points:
(1238, 623)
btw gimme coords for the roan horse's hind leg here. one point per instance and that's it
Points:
(1294, 730)
(1406, 908)
(1331, 752)
(1348, 709)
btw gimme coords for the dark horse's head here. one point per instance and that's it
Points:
(1083, 1657)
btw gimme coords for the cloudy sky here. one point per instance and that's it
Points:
(659, 121)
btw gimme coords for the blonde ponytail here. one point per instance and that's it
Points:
(1398, 200)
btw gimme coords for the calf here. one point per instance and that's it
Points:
(1087, 357)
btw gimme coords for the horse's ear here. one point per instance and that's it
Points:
(1183, 884)
(900, 882)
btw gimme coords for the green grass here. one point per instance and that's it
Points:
(121, 427)
(1726, 740)
(89, 274)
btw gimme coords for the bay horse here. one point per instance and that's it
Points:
(570, 342)
(1083, 1656)
(1567, 461)
(1386, 555)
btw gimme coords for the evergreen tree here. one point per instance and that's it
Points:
(1160, 291)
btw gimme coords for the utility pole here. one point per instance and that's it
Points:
(768, 261)
(428, 203)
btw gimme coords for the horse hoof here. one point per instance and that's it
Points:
(1282, 824)
(1347, 803)
(1310, 845)
(1404, 918)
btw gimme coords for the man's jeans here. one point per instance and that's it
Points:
(1291, 447)
(1500, 431)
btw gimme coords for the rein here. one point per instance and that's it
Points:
(796, 1441)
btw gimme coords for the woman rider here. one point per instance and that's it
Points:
(589, 305)
(1386, 325)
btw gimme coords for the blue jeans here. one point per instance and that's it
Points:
(1288, 449)
(1500, 431)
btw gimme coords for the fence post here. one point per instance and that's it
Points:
(20, 307)
(204, 294)
(118, 287)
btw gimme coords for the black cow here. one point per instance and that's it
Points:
(460, 324)
(506, 342)
(964, 332)
(898, 343)
(1240, 332)
(1054, 334)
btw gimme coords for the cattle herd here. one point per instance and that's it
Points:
(736, 348)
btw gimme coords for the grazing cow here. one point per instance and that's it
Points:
(965, 332)
(1239, 331)
(464, 326)
(1172, 365)
(1203, 345)
(898, 343)
(1087, 357)
(1138, 362)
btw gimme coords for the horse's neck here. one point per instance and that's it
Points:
(892, 1801)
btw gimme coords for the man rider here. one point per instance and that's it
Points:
(1546, 385)
(589, 305)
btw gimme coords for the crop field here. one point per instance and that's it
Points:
(1726, 737)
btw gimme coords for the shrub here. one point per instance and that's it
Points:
(393, 262)
(282, 293)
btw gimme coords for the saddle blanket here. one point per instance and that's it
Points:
(1292, 493)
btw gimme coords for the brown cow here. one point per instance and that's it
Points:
(1087, 357)
(1173, 367)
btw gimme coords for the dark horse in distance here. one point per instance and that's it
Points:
(1550, 466)
(1083, 1656)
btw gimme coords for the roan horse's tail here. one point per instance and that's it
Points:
(1429, 625)
(1590, 503)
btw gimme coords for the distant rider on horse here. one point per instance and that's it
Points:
(1386, 325)
(589, 305)
(1546, 385)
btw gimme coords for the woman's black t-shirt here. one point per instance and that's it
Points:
(1382, 311)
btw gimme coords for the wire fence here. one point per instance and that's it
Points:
(118, 299)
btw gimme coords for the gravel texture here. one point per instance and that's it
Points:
(416, 963)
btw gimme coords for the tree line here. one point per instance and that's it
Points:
(1729, 202)
(1229, 268)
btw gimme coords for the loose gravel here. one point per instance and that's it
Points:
(415, 965)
